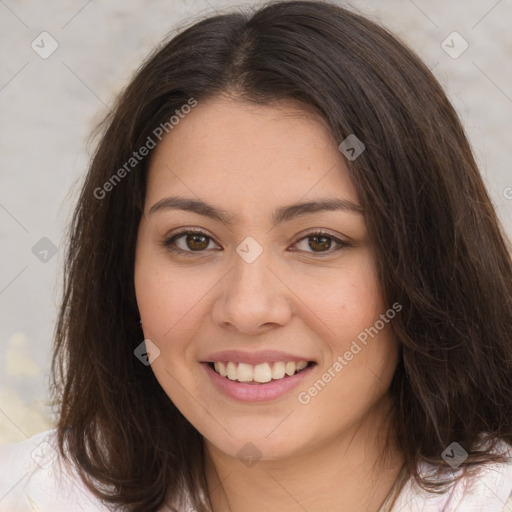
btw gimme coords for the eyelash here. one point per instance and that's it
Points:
(168, 242)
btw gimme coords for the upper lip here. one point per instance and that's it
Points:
(262, 356)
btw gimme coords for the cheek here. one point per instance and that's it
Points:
(348, 318)
(165, 295)
(168, 306)
(361, 352)
(173, 304)
(341, 303)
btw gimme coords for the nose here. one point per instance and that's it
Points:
(252, 297)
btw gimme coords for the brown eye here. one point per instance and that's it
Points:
(320, 242)
(187, 242)
(196, 242)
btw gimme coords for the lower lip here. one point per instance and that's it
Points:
(256, 392)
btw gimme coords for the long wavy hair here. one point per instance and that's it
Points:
(440, 249)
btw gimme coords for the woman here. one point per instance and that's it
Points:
(286, 288)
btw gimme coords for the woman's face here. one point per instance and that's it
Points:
(258, 289)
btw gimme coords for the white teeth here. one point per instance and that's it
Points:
(220, 368)
(245, 372)
(290, 368)
(260, 373)
(232, 371)
(278, 370)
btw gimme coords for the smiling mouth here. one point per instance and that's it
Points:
(260, 373)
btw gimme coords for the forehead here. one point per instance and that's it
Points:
(249, 156)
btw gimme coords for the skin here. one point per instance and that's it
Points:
(250, 159)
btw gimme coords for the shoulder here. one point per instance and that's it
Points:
(33, 477)
(489, 490)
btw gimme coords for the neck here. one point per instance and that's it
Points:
(350, 472)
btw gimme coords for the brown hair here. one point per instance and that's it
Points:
(439, 247)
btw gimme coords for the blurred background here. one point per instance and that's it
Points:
(63, 63)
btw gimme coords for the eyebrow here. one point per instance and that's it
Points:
(281, 214)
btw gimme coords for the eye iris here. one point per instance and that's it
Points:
(324, 244)
(194, 239)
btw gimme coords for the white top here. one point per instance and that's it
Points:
(33, 479)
